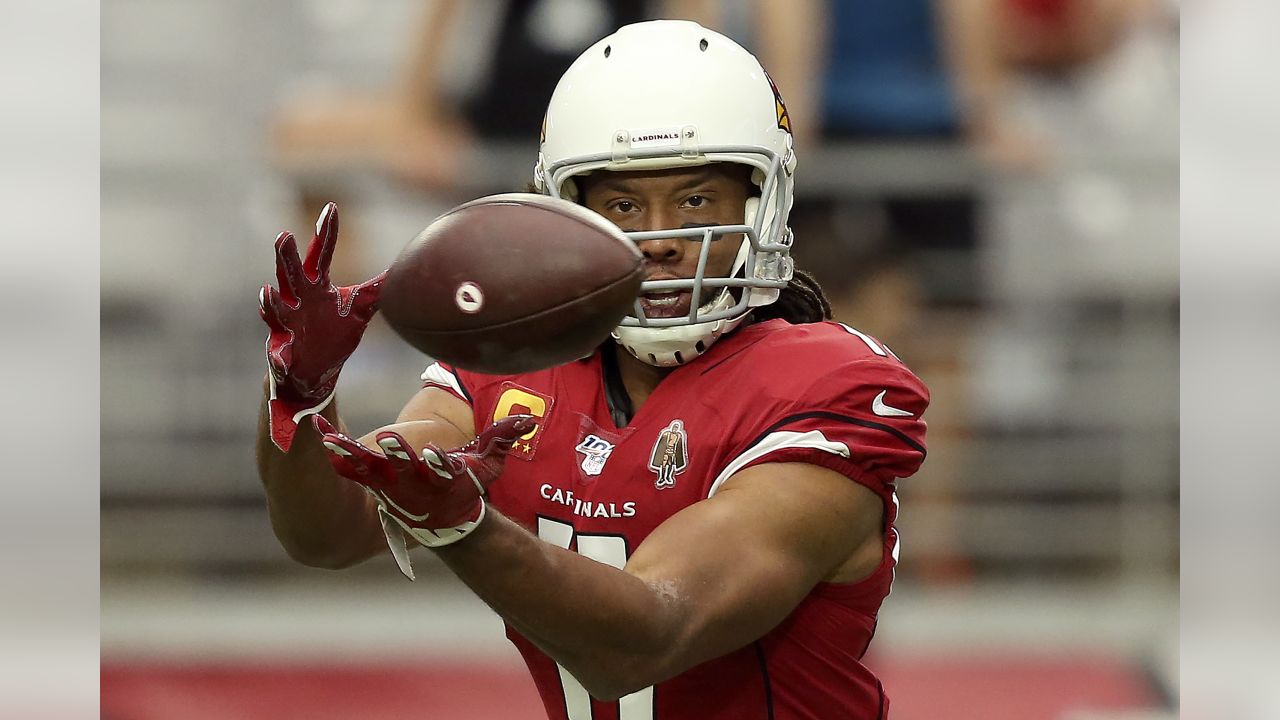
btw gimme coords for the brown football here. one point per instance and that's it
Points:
(512, 283)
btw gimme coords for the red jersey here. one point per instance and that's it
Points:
(820, 393)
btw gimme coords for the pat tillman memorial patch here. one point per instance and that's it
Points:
(670, 455)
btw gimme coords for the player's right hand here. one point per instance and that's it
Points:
(314, 326)
(435, 495)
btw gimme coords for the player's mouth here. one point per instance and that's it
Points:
(673, 303)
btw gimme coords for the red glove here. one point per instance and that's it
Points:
(436, 496)
(314, 327)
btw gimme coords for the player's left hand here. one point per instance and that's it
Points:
(435, 495)
(315, 326)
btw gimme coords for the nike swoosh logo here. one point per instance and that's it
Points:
(879, 407)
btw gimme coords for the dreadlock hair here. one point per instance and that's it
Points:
(801, 301)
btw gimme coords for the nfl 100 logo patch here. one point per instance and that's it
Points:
(595, 453)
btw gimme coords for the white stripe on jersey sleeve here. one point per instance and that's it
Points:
(778, 441)
(897, 545)
(435, 374)
(897, 537)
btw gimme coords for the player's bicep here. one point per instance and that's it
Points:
(436, 404)
(740, 562)
(431, 416)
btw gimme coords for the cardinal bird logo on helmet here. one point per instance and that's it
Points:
(784, 120)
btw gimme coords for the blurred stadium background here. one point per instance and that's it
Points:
(1039, 299)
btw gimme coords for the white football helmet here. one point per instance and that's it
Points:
(666, 94)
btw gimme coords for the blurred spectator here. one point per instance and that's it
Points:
(1060, 34)
(422, 132)
(536, 41)
(870, 71)
(425, 127)
(922, 71)
(859, 69)
(992, 40)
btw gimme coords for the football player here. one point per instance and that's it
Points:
(696, 521)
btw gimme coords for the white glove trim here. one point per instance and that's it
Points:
(392, 526)
(297, 417)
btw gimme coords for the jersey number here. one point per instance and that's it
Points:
(880, 349)
(610, 550)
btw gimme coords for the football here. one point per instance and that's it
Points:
(512, 283)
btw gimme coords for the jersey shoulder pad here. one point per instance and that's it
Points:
(839, 399)
(822, 359)
(831, 340)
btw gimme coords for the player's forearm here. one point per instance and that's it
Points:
(610, 629)
(320, 518)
